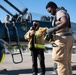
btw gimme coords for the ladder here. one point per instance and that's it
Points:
(17, 43)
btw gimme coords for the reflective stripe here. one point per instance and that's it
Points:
(2, 56)
(39, 46)
(36, 34)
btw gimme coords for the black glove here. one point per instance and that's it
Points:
(52, 30)
(49, 35)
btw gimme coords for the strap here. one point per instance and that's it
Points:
(66, 34)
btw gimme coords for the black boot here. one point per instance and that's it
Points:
(55, 68)
(42, 74)
(34, 74)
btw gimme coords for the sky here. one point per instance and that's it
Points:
(37, 7)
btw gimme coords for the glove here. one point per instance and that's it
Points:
(49, 32)
(48, 37)
(52, 30)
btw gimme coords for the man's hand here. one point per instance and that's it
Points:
(32, 32)
(51, 30)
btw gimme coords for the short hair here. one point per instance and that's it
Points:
(51, 4)
(8, 16)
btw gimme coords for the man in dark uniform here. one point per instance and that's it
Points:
(63, 43)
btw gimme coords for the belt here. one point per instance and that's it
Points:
(66, 34)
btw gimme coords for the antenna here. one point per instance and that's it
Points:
(6, 10)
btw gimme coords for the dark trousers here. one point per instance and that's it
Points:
(40, 54)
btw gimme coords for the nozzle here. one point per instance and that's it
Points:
(24, 11)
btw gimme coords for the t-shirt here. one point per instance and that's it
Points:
(60, 14)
